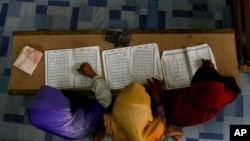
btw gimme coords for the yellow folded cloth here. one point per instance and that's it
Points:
(131, 118)
(28, 59)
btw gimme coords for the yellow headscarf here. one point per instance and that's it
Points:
(131, 118)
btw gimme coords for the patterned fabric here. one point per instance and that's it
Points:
(102, 91)
(26, 15)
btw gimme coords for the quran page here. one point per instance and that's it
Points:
(58, 68)
(116, 63)
(145, 63)
(175, 69)
(85, 54)
(195, 54)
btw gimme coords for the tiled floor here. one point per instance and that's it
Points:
(19, 15)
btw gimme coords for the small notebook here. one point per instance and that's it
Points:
(28, 59)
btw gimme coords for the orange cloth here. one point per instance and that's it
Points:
(131, 118)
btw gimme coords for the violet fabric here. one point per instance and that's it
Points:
(50, 112)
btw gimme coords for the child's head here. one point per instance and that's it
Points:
(207, 73)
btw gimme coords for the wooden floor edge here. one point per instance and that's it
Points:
(132, 31)
(22, 92)
(244, 68)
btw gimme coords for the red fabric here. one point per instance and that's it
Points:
(209, 95)
(199, 103)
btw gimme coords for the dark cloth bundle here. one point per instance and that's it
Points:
(118, 37)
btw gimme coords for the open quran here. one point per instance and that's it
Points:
(125, 65)
(131, 64)
(180, 65)
(61, 66)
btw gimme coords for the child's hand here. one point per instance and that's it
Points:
(207, 63)
(87, 70)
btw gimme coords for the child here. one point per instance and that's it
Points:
(52, 112)
(208, 93)
(132, 119)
